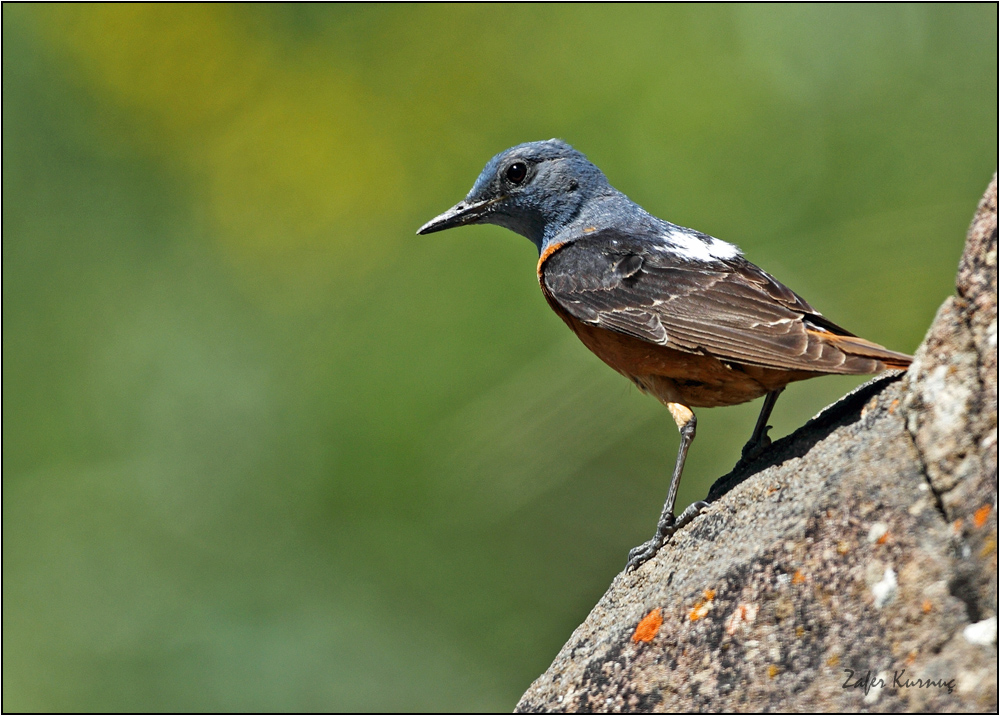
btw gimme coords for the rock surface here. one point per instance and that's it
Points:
(852, 567)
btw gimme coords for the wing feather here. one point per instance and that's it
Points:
(729, 308)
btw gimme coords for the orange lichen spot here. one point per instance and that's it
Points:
(927, 606)
(982, 514)
(892, 406)
(743, 616)
(589, 229)
(956, 526)
(709, 594)
(798, 577)
(773, 488)
(833, 660)
(649, 626)
(700, 609)
(883, 539)
(911, 657)
(772, 671)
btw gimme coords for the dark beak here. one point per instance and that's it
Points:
(459, 215)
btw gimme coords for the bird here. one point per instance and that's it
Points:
(683, 315)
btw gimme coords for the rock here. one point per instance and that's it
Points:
(853, 566)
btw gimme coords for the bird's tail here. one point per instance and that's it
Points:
(855, 347)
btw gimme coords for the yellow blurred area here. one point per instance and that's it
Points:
(285, 155)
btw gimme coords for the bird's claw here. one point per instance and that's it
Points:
(753, 449)
(644, 552)
(664, 531)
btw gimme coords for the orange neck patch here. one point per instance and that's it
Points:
(549, 250)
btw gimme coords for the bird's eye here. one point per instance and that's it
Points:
(516, 172)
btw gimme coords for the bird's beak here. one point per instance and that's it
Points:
(461, 214)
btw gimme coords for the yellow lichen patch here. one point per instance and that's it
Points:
(772, 671)
(647, 629)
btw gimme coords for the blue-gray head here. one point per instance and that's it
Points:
(535, 189)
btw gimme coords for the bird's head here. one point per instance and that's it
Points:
(534, 189)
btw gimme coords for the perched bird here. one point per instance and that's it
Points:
(681, 314)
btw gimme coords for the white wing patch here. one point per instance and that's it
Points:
(694, 247)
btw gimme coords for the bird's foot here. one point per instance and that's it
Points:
(664, 531)
(644, 552)
(755, 448)
(692, 511)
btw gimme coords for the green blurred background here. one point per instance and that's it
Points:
(266, 449)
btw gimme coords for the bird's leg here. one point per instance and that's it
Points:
(759, 441)
(668, 524)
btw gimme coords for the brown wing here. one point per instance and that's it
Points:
(728, 309)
